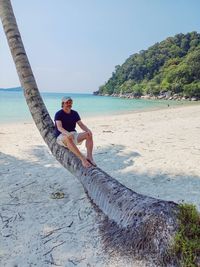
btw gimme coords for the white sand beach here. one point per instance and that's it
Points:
(156, 153)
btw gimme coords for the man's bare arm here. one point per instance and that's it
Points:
(61, 129)
(83, 127)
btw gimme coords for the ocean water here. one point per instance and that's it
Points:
(13, 107)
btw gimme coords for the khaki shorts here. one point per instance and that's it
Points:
(75, 138)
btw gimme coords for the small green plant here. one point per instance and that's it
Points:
(187, 239)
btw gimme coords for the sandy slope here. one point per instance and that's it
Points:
(156, 153)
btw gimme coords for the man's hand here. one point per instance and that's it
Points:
(70, 136)
(89, 132)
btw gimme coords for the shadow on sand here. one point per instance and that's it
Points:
(31, 181)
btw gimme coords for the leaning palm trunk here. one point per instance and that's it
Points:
(144, 225)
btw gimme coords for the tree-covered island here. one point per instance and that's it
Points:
(167, 70)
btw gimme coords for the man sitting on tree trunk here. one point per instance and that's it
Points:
(67, 136)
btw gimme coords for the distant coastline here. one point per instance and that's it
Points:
(162, 96)
(14, 89)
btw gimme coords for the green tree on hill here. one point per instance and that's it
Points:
(171, 65)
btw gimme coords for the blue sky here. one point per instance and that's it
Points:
(74, 45)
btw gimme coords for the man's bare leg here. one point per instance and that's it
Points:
(88, 144)
(68, 141)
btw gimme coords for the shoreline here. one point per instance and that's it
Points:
(180, 104)
(167, 95)
(156, 153)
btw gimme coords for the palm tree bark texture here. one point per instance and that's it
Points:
(140, 224)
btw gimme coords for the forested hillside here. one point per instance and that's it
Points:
(171, 66)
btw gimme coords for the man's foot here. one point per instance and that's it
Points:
(86, 163)
(92, 162)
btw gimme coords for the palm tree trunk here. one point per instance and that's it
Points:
(144, 225)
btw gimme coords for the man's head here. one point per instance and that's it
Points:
(67, 102)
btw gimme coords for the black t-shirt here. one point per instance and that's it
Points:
(68, 120)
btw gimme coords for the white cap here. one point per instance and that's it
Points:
(66, 98)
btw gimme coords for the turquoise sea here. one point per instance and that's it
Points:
(13, 106)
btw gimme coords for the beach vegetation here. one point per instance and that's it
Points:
(171, 65)
(187, 239)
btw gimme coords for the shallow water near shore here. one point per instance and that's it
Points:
(13, 106)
